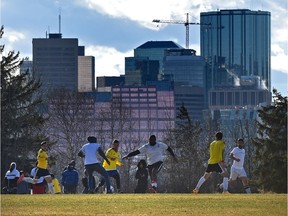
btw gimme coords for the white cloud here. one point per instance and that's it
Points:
(16, 41)
(108, 61)
(278, 59)
(13, 36)
(144, 12)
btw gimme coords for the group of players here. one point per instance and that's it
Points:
(154, 151)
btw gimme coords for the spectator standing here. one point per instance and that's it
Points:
(70, 179)
(142, 177)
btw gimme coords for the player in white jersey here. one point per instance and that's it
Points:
(237, 168)
(155, 155)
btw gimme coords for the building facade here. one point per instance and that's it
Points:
(134, 112)
(109, 81)
(140, 70)
(154, 50)
(55, 62)
(187, 72)
(236, 43)
(86, 73)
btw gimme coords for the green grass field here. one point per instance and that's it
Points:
(146, 204)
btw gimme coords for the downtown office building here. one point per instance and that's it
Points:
(236, 46)
(236, 43)
(61, 63)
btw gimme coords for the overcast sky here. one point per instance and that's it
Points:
(111, 29)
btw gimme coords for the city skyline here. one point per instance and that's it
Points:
(110, 32)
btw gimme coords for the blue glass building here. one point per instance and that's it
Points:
(237, 43)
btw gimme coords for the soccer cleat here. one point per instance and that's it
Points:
(152, 190)
(219, 188)
(96, 189)
(195, 191)
(225, 192)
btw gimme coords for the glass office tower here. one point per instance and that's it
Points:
(237, 43)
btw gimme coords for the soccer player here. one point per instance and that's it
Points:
(89, 152)
(113, 156)
(237, 168)
(215, 163)
(42, 166)
(155, 154)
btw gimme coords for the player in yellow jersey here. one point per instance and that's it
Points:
(113, 156)
(215, 163)
(42, 166)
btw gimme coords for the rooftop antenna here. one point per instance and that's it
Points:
(60, 20)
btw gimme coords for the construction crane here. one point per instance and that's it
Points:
(186, 23)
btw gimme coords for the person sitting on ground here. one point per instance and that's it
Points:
(56, 184)
(11, 177)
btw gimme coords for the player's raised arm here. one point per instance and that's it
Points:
(131, 154)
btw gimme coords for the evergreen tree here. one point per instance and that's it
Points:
(20, 120)
(186, 138)
(271, 145)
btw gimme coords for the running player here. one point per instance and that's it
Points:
(113, 156)
(155, 154)
(237, 168)
(215, 163)
(42, 167)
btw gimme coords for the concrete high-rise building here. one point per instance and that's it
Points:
(86, 73)
(237, 43)
(55, 61)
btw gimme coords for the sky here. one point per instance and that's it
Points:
(111, 29)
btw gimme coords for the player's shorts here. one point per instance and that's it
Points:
(215, 168)
(112, 173)
(237, 173)
(42, 172)
(156, 167)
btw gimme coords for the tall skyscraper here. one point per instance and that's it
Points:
(55, 61)
(187, 71)
(237, 43)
